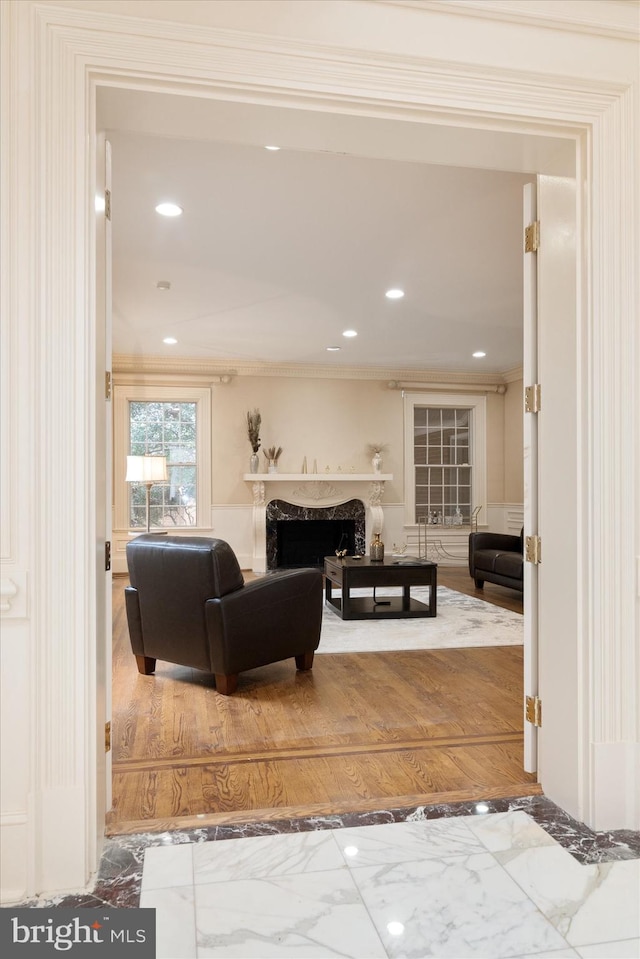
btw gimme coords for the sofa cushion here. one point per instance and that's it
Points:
(508, 564)
(485, 559)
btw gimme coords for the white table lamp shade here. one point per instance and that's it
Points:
(146, 469)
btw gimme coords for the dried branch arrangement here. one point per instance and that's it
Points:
(254, 421)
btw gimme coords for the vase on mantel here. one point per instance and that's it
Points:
(254, 463)
(376, 463)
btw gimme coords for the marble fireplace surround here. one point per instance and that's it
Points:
(313, 490)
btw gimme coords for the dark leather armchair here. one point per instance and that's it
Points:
(497, 558)
(188, 604)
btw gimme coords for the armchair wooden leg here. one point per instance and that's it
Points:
(226, 685)
(146, 665)
(479, 583)
(304, 660)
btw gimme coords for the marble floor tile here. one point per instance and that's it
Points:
(625, 949)
(265, 856)
(554, 954)
(310, 914)
(404, 842)
(587, 903)
(175, 921)
(508, 830)
(166, 866)
(463, 906)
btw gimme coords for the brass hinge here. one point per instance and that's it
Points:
(532, 398)
(533, 549)
(107, 556)
(532, 237)
(107, 385)
(533, 710)
(107, 204)
(107, 737)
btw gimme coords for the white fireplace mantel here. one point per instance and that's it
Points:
(313, 489)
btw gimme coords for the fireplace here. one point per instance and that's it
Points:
(304, 535)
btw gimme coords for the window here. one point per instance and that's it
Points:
(174, 421)
(445, 472)
(441, 439)
(167, 428)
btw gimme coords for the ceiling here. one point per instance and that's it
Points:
(277, 253)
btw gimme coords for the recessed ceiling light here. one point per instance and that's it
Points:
(170, 340)
(479, 354)
(394, 294)
(272, 148)
(395, 928)
(333, 349)
(163, 285)
(168, 209)
(349, 333)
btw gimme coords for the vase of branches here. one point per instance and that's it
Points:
(273, 455)
(254, 421)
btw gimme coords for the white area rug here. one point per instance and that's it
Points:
(461, 621)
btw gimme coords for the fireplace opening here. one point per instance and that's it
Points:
(307, 542)
(304, 535)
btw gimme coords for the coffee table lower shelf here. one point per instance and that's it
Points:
(393, 607)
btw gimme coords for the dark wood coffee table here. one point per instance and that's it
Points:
(350, 573)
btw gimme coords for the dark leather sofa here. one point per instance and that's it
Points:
(188, 604)
(497, 558)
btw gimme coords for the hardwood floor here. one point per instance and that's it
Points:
(358, 732)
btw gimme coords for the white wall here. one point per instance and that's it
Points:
(327, 420)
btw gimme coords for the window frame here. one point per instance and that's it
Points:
(201, 396)
(477, 405)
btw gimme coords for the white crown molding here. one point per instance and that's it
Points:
(618, 19)
(127, 368)
(512, 376)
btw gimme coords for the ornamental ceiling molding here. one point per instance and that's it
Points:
(127, 368)
(243, 61)
(611, 18)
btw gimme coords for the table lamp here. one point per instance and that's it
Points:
(148, 470)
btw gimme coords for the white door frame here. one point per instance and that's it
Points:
(50, 123)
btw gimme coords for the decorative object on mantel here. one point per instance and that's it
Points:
(304, 465)
(375, 451)
(254, 421)
(376, 550)
(315, 466)
(273, 455)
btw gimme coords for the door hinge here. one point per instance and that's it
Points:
(533, 710)
(532, 398)
(107, 556)
(107, 204)
(532, 237)
(107, 385)
(107, 737)
(533, 549)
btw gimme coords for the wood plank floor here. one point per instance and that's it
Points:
(358, 732)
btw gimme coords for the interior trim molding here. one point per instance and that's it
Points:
(154, 366)
(53, 58)
(540, 13)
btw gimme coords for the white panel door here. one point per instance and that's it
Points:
(560, 747)
(530, 437)
(103, 469)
